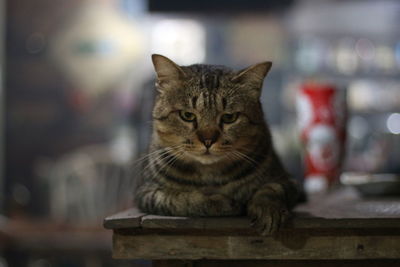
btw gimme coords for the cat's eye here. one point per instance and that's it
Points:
(187, 116)
(229, 117)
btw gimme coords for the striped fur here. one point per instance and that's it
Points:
(209, 166)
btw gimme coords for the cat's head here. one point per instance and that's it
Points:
(208, 113)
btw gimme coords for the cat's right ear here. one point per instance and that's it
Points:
(168, 72)
(253, 76)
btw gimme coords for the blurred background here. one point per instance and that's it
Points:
(77, 91)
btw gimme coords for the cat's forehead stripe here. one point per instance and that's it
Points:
(209, 81)
(194, 102)
(208, 102)
(224, 103)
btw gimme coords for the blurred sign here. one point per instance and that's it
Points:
(97, 47)
(254, 39)
(184, 40)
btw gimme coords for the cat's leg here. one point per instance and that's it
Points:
(270, 206)
(155, 199)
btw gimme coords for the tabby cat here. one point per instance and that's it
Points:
(211, 152)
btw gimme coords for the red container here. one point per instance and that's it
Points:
(322, 117)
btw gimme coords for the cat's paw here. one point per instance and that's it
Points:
(268, 217)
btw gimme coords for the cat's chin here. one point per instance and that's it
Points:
(205, 159)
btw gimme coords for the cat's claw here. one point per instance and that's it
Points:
(268, 218)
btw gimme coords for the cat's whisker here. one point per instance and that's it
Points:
(160, 150)
(240, 157)
(161, 155)
(252, 162)
(175, 159)
(141, 159)
(232, 156)
(169, 151)
(247, 157)
(257, 173)
(164, 150)
(156, 158)
(168, 162)
(150, 164)
(245, 149)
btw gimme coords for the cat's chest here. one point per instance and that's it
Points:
(238, 193)
(214, 183)
(211, 190)
(228, 189)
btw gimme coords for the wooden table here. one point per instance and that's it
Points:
(339, 226)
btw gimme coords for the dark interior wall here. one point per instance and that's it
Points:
(42, 110)
(217, 5)
(2, 18)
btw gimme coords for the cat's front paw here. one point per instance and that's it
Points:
(268, 217)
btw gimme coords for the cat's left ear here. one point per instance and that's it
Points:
(253, 75)
(168, 72)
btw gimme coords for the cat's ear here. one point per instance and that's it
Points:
(253, 75)
(168, 72)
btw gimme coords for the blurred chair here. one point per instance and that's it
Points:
(88, 184)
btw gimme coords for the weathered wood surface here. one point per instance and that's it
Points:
(216, 223)
(130, 218)
(276, 263)
(299, 221)
(342, 209)
(338, 226)
(291, 247)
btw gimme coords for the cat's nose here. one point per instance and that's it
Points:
(208, 143)
(208, 138)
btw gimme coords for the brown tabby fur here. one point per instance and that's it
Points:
(206, 167)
